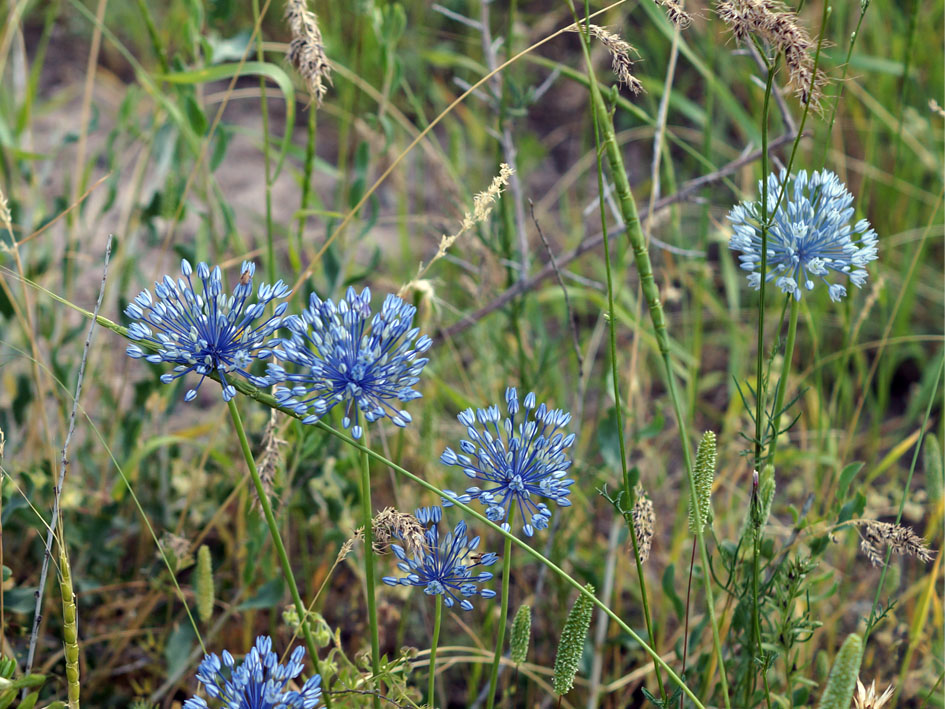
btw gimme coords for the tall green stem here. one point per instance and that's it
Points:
(264, 112)
(277, 543)
(367, 516)
(628, 209)
(618, 412)
(782, 382)
(503, 615)
(437, 618)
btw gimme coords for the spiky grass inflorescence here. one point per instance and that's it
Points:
(5, 217)
(483, 203)
(204, 583)
(571, 644)
(391, 524)
(70, 630)
(866, 698)
(700, 509)
(876, 537)
(620, 61)
(675, 13)
(521, 634)
(271, 455)
(644, 520)
(762, 497)
(772, 22)
(307, 50)
(843, 675)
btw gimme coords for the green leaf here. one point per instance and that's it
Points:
(228, 71)
(846, 477)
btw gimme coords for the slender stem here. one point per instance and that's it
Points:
(367, 517)
(277, 542)
(618, 407)
(437, 618)
(782, 382)
(503, 615)
(637, 241)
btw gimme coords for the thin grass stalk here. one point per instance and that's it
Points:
(268, 400)
(637, 241)
(267, 167)
(782, 382)
(310, 144)
(369, 582)
(872, 620)
(618, 409)
(503, 615)
(277, 541)
(437, 619)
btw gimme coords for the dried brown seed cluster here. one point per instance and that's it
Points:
(643, 522)
(675, 13)
(876, 537)
(391, 524)
(619, 50)
(271, 457)
(775, 24)
(306, 51)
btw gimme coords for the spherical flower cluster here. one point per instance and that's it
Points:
(208, 331)
(519, 462)
(341, 354)
(446, 566)
(810, 234)
(258, 682)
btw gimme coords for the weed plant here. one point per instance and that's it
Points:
(498, 355)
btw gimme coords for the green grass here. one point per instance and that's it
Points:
(169, 143)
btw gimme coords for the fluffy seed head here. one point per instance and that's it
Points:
(620, 61)
(307, 51)
(643, 523)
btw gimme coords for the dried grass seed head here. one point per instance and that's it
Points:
(644, 521)
(307, 50)
(876, 537)
(675, 13)
(390, 524)
(778, 26)
(620, 61)
(866, 698)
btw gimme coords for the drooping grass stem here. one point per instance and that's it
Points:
(437, 619)
(634, 231)
(503, 616)
(367, 516)
(277, 542)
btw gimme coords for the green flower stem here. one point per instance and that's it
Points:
(618, 412)
(267, 399)
(503, 614)
(367, 516)
(782, 383)
(628, 209)
(277, 542)
(264, 112)
(437, 618)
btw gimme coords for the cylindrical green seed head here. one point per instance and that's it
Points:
(842, 682)
(521, 633)
(932, 457)
(204, 583)
(571, 644)
(70, 630)
(700, 509)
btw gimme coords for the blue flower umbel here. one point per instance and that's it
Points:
(518, 461)
(341, 354)
(208, 331)
(259, 682)
(446, 567)
(810, 234)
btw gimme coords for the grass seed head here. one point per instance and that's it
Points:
(390, 524)
(675, 13)
(643, 523)
(876, 537)
(620, 61)
(866, 698)
(306, 50)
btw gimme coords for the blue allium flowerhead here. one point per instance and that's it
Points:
(341, 354)
(209, 331)
(811, 234)
(446, 566)
(517, 461)
(258, 682)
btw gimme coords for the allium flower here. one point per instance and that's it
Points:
(258, 682)
(446, 567)
(209, 331)
(522, 461)
(341, 358)
(810, 234)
